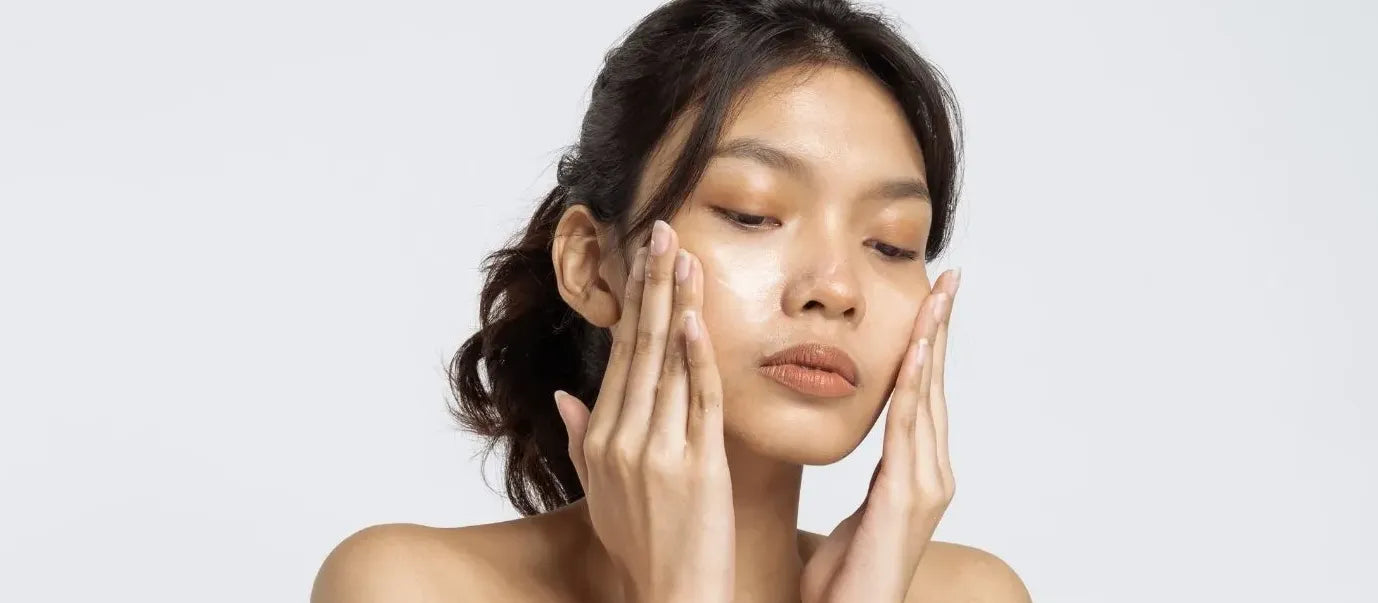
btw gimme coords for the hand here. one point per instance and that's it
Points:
(650, 456)
(873, 553)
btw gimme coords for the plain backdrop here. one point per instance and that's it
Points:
(240, 242)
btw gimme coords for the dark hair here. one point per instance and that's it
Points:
(687, 54)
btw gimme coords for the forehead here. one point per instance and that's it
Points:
(835, 117)
(841, 122)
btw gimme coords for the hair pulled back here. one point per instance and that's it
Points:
(687, 54)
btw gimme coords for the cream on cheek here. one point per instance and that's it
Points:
(742, 287)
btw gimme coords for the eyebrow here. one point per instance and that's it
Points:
(761, 152)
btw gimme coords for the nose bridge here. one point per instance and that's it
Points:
(825, 278)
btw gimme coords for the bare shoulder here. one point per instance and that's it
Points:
(407, 563)
(956, 572)
(398, 562)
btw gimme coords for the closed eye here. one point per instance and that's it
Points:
(897, 253)
(747, 221)
(754, 222)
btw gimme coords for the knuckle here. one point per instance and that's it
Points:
(921, 410)
(661, 459)
(594, 450)
(621, 349)
(674, 363)
(931, 489)
(646, 340)
(699, 361)
(904, 416)
(904, 385)
(696, 402)
(682, 296)
(622, 455)
(658, 275)
(707, 399)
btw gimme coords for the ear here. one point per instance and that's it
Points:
(580, 256)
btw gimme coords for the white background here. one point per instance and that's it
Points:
(240, 241)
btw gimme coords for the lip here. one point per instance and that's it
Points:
(813, 369)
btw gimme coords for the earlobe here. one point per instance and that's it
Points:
(577, 253)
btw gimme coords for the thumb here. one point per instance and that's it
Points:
(575, 416)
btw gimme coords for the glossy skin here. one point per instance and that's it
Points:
(819, 265)
(815, 267)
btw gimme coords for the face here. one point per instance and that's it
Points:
(810, 224)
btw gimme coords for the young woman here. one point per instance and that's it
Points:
(727, 283)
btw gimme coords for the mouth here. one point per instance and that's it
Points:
(813, 369)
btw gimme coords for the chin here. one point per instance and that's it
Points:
(797, 430)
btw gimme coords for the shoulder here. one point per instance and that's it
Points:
(409, 562)
(393, 562)
(956, 572)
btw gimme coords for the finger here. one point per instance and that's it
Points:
(671, 405)
(937, 399)
(898, 444)
(651, 333)
(904, 401)
(948, 286)
(925, 435)
(575, 416)
(705, 385)
(611, 391)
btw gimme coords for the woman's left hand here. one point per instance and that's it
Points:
(873, 553)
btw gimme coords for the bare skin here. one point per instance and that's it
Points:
(826, 264)
(552, 558)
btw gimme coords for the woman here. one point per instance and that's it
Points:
(727, 283)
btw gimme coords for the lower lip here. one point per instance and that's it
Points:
(809, 381)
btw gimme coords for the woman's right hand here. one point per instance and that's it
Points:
(650, 456)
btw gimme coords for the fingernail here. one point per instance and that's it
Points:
(660, 237)
(956, 278)
(940, 306)
(691, 325)
(681, 265)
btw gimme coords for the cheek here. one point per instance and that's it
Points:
(892, 312)
(741, 299)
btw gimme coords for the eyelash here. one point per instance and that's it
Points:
(889, 252)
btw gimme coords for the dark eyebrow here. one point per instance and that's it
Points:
(908, 188)
(758, 150)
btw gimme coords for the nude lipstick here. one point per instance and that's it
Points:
(812, 369)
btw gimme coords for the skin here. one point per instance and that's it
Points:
(818, 268)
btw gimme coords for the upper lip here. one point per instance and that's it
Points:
(817, 356)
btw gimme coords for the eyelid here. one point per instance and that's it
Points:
(733, 215)
(904, 254)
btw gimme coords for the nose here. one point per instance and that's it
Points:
(825, 281)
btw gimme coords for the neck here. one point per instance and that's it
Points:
(765, 496)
